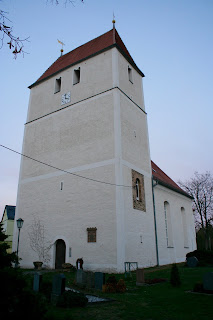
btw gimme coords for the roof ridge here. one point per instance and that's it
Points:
(64, 56)
(83, 44)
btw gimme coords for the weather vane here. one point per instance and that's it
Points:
(62, 50)
(113, 20)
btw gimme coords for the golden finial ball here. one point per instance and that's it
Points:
(113, 21)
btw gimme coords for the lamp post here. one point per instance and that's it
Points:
(19, 226)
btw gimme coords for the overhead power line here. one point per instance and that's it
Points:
(65, 171)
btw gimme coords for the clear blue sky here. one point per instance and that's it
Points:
(171, 41)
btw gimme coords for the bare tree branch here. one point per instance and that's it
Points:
(38, 240)
(15, 43)
(200, 187)
(73, 2)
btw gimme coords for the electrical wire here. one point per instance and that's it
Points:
(65, 171)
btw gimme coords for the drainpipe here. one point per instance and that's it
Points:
(155, 222)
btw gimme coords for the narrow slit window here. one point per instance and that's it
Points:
(57, 85)
(137, 186)
(76, 76)
(62, 184)
(130, 74)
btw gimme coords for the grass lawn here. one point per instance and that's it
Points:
(159, 301)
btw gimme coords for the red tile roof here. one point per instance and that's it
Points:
(104, 42)
(165, 180)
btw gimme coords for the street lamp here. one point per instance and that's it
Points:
(19, 226)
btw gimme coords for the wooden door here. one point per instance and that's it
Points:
(60, 253)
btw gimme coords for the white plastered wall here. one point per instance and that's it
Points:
(79, 139)
(176, 253)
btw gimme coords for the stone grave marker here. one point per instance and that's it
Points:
(37, 281)
(192, 262)
(208, 281)
(90, 280)
(81, 278)
(58, 287)
(99, 280)
(140, 277)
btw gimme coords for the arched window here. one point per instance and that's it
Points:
(168, 224)
(138, 191)
(137, 186)
(185, 232)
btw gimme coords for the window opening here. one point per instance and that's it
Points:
(137, 186)
(185, 232)
(138, 191)
(76, 76)
(130, 74)
(57, 85)
(166, 223)
(91, 234)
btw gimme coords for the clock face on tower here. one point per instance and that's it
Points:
(65, 98)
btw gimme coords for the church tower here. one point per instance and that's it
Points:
(91, 186)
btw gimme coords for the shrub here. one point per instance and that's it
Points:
(112, 280)
(198, 287)
(16, 300)
(121, 286)
(71, 299)
(155, 280)
(46, 288)
(6, 259)
(204, 257)
(68, 266)
(175, 277)
(113, 285)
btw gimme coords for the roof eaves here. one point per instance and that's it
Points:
(131, 61)
(164, 184)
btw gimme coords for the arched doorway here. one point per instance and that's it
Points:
(60, 252)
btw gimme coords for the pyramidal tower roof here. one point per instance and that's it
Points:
(96, 46)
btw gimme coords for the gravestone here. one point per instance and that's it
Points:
(192, 262)
(37, 281)
(58, 287)
(90, 280)
(99, 280)
(139, 277)
(208, 281)
(81, 278)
